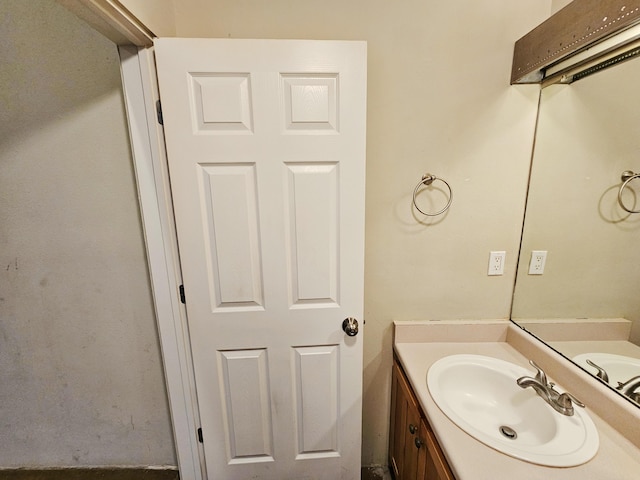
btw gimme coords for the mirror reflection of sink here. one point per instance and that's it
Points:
(618, 367)
(480, 395)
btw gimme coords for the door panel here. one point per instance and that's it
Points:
(232, 235)
(316, 384)
(313, 214)
(221, 103)
(245, 386)
(310, 103)
(266, 149)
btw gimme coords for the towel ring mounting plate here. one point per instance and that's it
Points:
(626, 177)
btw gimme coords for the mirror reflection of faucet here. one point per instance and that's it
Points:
(602, 374)
(561, 402)
(630, 388)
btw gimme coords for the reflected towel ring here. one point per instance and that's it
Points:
(428, 179)
(626, 177)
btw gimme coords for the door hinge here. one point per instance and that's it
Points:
(159, 112)
(200, 435)
(182, 297)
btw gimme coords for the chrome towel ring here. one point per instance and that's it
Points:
(428, 179)
(626, 177)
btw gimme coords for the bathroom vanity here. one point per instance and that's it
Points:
(425, 444)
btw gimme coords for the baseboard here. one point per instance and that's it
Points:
(128, 473)
(90, 473)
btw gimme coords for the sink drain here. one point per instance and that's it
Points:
(508, 432)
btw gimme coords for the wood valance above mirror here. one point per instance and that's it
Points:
(576, 28)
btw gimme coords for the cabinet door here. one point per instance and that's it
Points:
(422, 472)
(401, 436)
(437, 467)
(405, 424)
(398, 418)
(411, 448)
(414, 452)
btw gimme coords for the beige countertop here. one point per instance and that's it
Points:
(420, 344)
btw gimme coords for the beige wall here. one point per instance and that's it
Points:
(81, 381)
(559, 4)
(439, 100)
(157, 15)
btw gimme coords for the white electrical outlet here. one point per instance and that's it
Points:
(496, 263)
(538, 260)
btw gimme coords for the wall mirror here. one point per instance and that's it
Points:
(586, 302)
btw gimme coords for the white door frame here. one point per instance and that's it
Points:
(139, 83)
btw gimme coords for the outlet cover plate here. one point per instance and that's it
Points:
(496, 263)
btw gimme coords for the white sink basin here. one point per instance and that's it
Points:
(618, 367)
(480, 395)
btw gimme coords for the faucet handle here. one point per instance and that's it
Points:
(565, 402)
(540, 375)
(566, 399)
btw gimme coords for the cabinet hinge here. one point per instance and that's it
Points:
(182, 297)
(159, 112)
(200, 435)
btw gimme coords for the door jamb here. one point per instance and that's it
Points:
(139, 82)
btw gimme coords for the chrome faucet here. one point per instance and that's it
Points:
(561, 402)
(629, 387)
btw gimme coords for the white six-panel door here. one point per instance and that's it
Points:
(266, 149)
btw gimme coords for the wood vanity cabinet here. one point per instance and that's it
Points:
(414, 453)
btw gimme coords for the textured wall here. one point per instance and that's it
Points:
(81, 380)
(439, 100)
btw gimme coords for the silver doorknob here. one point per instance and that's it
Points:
(350, 326)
